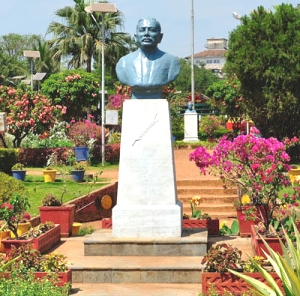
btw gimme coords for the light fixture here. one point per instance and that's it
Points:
(103, 8)
(236, 16)
(32, 54)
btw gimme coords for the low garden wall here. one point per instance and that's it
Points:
(88, 207)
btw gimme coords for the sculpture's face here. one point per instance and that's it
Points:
(148, 34)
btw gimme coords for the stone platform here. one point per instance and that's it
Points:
(193, 242)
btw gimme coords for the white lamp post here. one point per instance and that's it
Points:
(32, 54)
(192, 55)
(103, 8)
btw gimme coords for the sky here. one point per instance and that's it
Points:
(212, 18)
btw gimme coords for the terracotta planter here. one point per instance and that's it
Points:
(245, 225)
(258, 245)
(3, 235)
(63, 276)
(42, 243)
(47, 240)
(213, 226)
(227, 282)
(8, 243)
(63, 215)
(49, 175)
(106, 223)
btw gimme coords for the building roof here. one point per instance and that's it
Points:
(209, 53)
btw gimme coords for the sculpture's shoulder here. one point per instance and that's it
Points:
(129, 58)
(162, 55)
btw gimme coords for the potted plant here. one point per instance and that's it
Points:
(223, 257)
(248, 214)
(18, 171)
(15, 216)
(84, 134)
(78, 171)
(287, 267)
(43, 237)
(294, 173)
(199, 219)
(54, 210)
(54, 266)
(50, 172)
(4, 233)
(257, 166)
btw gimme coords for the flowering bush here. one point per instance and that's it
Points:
(27, 112)
(85, 133)
(14, 213)
(56, 136)
(76, 89)
(258, 166)
(209, 125)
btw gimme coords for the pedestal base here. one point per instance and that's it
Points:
(147, 221)
(191, 127)
(147, 203)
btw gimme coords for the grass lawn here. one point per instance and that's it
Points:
(64, 188)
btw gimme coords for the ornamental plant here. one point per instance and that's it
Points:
(194, 202)
(14, 213)
(258, 166)
(27, 112)
(84, 133)
(196, 214)
(287, 267)
(78, 90)
(222, 257)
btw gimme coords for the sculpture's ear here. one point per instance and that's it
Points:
(160, 37)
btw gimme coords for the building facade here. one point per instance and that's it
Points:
(213, 58)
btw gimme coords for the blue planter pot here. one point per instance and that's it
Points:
(78, 176)
(20, 175)
(81, 153)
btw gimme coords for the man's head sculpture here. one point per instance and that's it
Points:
(148, 69)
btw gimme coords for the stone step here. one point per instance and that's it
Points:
(196, 182)
(200, 190)
(193, 242)
(135, 289)
(209, 199)
(137, 269)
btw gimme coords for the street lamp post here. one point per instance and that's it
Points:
(103, 8)
(32, 54)
(192, 55)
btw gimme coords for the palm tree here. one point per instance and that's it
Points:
(80, 37)
(46, 63)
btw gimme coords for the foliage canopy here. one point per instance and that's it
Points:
(264, 55)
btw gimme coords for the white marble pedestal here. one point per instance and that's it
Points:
(191, 126)
(147, 204)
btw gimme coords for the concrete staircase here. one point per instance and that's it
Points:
(153, 267)
(215, 200)
(165, 266)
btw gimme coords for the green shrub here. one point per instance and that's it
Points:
(209, 125)
(8, 157)
(10, 186)
(27, 285)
